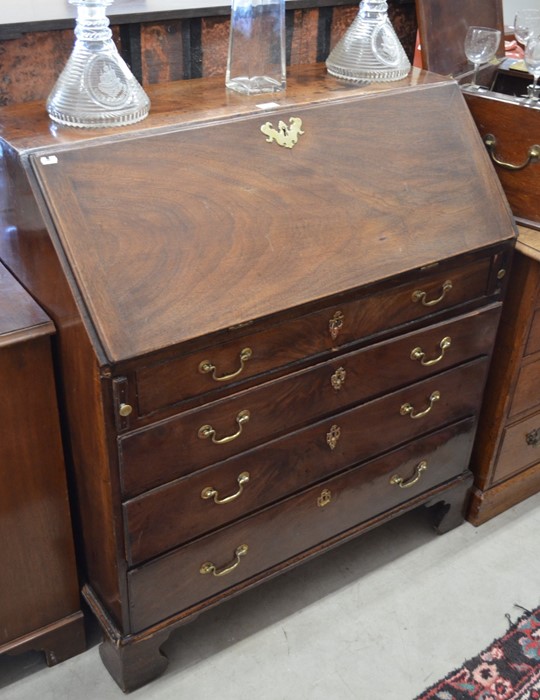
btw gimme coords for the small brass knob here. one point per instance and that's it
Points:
(125, 410)
(501, 273)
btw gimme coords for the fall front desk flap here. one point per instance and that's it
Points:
(176, 233)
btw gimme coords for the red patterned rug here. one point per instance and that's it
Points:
(509, 669)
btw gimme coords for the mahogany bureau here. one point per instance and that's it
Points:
(275, 322)
(39, 589)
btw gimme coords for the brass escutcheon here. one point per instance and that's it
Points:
(205, 367)
(419, 354)
(338, 378)
(333, 436)
(325, 498)
(209, 568)
(420, 296)
(397, 480)
(206, 431)
(210, 492)
(408, 410)
(335, 324)
(285, 135)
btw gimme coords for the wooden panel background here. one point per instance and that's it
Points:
(177, 49)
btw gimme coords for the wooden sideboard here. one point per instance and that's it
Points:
(506, 457)
(39, 590)
(275, 320)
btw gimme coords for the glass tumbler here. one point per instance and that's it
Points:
(256, 58)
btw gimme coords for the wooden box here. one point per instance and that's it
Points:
(509, 129)
(275, 323)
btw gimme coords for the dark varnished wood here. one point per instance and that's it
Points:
(152, 248)
(39, 604)
(356, 496)
(504, 462)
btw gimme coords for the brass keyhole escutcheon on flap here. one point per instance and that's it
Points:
(397, 480)
(408, 410)
(338, 378)
(206, 431)
(325, 498)
(210, 492)
(335, 324)
(205, 367)
(285, 135)
(419, 295)
(209, 568)
(420, 355)
(533, 154)
(333, 436)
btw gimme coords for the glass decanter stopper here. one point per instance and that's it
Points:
(256, 58)
(96, 88)
(369, 50)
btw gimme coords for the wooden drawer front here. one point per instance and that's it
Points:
(155, 455)
(179, 379)
(533, 341)
(176, 513)
(527, 391)
(520, 447)
(515, 131)
(292, 526)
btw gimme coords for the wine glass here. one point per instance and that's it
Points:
(526, 23)
(481, 44)
(532, 61)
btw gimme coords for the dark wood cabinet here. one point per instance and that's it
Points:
(39, 590)
(506, 457)
(265, 350)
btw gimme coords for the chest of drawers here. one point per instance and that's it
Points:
(265, 350)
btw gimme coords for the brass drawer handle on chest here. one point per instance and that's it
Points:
(210, 492)
(533, 438)
(333, 436)
(419, 354)
(397, 480)
(419, 295)
(533, 154)
(206, 431)
(209, 568)
(205, 367)
(408, 410)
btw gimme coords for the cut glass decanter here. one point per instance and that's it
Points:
(96, 87)
(369, 50)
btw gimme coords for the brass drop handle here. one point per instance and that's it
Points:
(206, 431)
(419, 295)
(419, 354)
(408, 410)
(397, 480)
(209, 568)
(205, 367)
(533, 154)
(210, 492)
(335, 324)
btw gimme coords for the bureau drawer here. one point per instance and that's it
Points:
(294, 525)
(173, 514)
(527, 391)
(520, 447)
(246, 356)
(157, 454)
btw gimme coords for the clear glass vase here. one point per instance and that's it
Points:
(369, 50)
(96, 87)
(256, 58)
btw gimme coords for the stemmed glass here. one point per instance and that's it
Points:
(532, 61)
(526, 23)
(481, 44)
